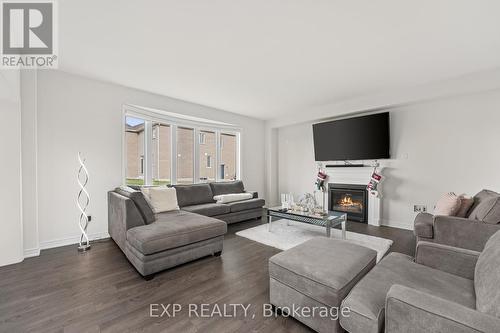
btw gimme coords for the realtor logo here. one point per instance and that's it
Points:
(28, 34)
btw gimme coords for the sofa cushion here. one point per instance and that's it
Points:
(488, 211)
(227, 187)
(423, 225)
(321, 268)
(480, 197)
(246, 205)
(140, 202)
(487, 277)
(195, 194)
(367, 299)
(174, 229)
(208, 209)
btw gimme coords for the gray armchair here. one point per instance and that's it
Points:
(470, 232)
(412, 310)
(445, 289)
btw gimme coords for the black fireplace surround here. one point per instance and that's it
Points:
(351, 199)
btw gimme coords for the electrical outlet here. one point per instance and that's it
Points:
(420, 208)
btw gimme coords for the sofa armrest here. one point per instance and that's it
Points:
(462, 232)
(255, 194)
(122, 215)
(423, 226)
(410, 310)
(453, 260)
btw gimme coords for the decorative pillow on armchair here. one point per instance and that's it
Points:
(448, 205)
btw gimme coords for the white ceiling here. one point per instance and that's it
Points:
(269, 58)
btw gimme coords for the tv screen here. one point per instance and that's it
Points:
(360, 138)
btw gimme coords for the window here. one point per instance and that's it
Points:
(160, 154)
(205, 153)
(160, 150)
(228, 157)
(134, 163)
(185, 155)
(202, 138)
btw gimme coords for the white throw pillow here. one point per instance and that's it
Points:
(448, 205)
(227, 198)
(161, 198)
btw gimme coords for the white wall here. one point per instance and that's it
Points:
(29, 162)
(439, 146)
(11, 234)
(79, 114)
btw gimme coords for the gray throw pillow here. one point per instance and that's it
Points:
(487, 211)
(140, 202)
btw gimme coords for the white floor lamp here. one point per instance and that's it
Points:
(83, 201)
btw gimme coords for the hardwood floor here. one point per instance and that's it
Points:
(100, 291)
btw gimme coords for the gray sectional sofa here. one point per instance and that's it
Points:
(154, 242)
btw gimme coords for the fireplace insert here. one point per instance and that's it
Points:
(351, 199)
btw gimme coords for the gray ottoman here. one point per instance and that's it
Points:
(310, 281)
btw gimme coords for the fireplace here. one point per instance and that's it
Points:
(351, 199)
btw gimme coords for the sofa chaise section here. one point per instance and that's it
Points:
(171, 239)
(174, 229)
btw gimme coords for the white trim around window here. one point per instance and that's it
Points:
(175, 121)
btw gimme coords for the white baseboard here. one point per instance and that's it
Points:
(28, 253)
(70, 240)
(396, 224)
(35, 252)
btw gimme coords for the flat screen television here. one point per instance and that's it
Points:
(359, 138)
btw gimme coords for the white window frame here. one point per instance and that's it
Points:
(202, 135)
(178, 120)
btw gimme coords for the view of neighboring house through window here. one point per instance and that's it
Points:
(206, 152)
(185, 155)
(134, 163)
(160, 152)
(228, 150)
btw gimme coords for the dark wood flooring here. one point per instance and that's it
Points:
(99, 291)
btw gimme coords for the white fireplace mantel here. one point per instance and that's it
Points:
(357, 176)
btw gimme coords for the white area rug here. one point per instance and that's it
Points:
(283, 236)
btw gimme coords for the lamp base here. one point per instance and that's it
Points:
(83, 248)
